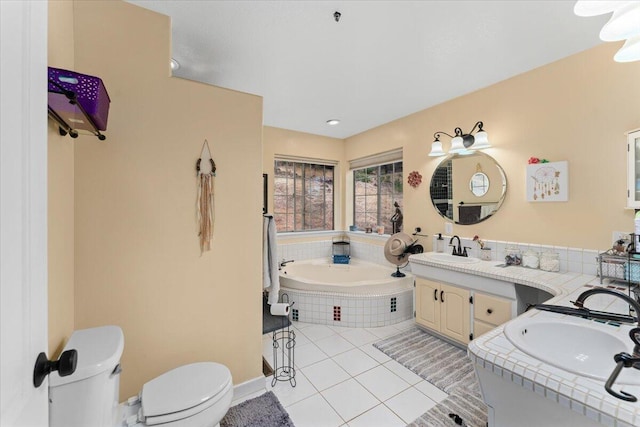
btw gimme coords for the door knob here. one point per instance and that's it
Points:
(65, 366)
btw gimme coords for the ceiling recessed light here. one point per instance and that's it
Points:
(333, 122)
(174, 64)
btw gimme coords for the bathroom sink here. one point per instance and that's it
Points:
(577, 346)
(451, 259)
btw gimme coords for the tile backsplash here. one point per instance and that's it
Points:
(365, 247)
(370, 247)
(574, 260)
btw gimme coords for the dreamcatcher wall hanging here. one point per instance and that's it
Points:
(205, 172)
(548, 182)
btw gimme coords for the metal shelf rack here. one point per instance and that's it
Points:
(621, 268)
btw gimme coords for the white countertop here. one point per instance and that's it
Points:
(494, 352)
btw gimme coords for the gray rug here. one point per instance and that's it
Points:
(445, 366)
(262, 411)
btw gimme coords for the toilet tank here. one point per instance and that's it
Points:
(89, 396)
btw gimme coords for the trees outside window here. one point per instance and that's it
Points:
(375, 190)
(303, 196)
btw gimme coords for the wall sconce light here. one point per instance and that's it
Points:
(623, 25)
(461, 143)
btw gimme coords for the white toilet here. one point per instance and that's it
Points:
(195, 395)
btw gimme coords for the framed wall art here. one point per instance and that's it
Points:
(548, 182)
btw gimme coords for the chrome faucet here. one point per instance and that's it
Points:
(457, 251)
(623, 360)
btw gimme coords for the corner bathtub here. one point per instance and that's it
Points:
(358, 294)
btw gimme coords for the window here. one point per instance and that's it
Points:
(303, 196)
(376, 188)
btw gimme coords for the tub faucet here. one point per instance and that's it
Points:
(457, 251)
(284, 263)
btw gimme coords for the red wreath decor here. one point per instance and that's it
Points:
(414, 179)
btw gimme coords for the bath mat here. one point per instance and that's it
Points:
(262, 411)
(445, 366)
(442, 364)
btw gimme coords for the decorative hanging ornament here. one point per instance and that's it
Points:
(204, 205)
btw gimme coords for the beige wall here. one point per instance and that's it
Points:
(137, 258)
(282, 142)
(575, 109)
(60, 192)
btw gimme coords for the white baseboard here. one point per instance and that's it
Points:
(247, 389)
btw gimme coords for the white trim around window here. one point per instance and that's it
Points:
(297, 159)
(391, 156)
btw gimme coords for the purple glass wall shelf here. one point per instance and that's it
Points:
(77, 101)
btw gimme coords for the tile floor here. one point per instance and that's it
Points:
(342, 380)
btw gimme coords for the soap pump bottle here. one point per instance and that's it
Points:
(439, 243)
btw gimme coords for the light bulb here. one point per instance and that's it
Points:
(436, 149)
(624, 23)
(481, 141)
(457, 145)
(595, 8)
(630, 51)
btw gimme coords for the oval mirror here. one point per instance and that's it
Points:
(479, 184)
(468, 189)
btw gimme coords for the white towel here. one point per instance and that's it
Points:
(270, 275)
(486, 210)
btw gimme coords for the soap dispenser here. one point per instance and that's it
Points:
(439, 243)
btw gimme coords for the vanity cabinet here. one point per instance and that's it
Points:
(443, 308)
(633, 169)
(463, 306)
(489, 312)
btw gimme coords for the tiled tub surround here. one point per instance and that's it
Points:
(358, 295)
(356, 278)
(573, 260)
(380, 307)
(542, 388)
(354, 311)
(364, 246)
(370, 247)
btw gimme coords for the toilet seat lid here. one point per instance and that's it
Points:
(183, 388)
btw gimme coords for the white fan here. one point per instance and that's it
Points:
(397, 251)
